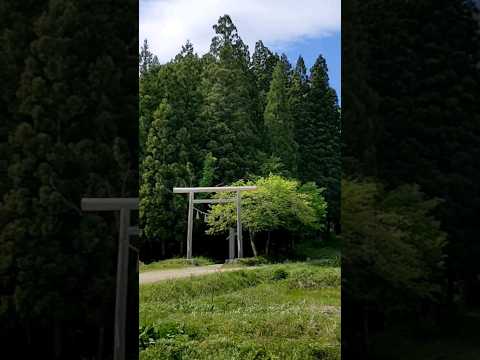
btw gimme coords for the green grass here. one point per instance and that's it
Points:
(250, 261)
(176, 263)
(281, 311)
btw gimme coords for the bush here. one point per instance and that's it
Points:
(147, 336)
(327, 353)
(279, 274)
(150, 335)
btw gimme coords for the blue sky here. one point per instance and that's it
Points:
(329, 47)
(306, 27)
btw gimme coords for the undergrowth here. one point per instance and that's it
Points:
(280, 311)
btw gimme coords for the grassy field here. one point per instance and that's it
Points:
(176, 263)
(281, 311)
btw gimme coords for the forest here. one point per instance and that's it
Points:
(411, 196)
(69, 93)
(231, 117)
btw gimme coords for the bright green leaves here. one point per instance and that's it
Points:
(278, 203)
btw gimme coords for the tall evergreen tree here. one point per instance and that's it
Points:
(301, 70)
(360, 132)
(263, 63)
(147, 59)
(16, 34)
(228, 109)
(173, 149)
(297, 94)
(227, 45)
(279, 125)
(319, 138)
(165, 165)
(286, 63)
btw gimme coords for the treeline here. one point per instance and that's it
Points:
(412, 116)
(225, 116)
(69, 85)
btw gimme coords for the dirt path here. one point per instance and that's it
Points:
(159, 275)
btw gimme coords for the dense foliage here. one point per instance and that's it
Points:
(277, 203)
(69, 83)
(411, 115)
(391, 236)
(226, 116)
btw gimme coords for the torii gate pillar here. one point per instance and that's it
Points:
(124, 206)
(191, 200)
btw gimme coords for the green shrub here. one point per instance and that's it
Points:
(326, 353)
(279, 274)
(147, 336)
(150, 334)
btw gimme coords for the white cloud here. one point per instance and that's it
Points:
(167, 24)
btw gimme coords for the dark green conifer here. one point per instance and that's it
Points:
(279, 124)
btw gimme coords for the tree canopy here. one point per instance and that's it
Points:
(277, 204)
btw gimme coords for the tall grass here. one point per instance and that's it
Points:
(283, 311)
(175, 263)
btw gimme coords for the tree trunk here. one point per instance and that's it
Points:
(267, 244)
(338, 228)
(100, 343)
(450, 290)
(57, 339)
(252, 243)
(29, 334)
(327, 230)
(163, 249)
(366, 333)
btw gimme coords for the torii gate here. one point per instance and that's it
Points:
(125, 206)
(191, 200)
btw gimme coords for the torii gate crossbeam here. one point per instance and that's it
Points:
(191, 200)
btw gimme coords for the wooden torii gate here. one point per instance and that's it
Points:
(125, 206)
(191, 201)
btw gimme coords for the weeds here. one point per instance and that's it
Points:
(279, 311)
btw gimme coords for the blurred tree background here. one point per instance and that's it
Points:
(67, 130)
(411, 196)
